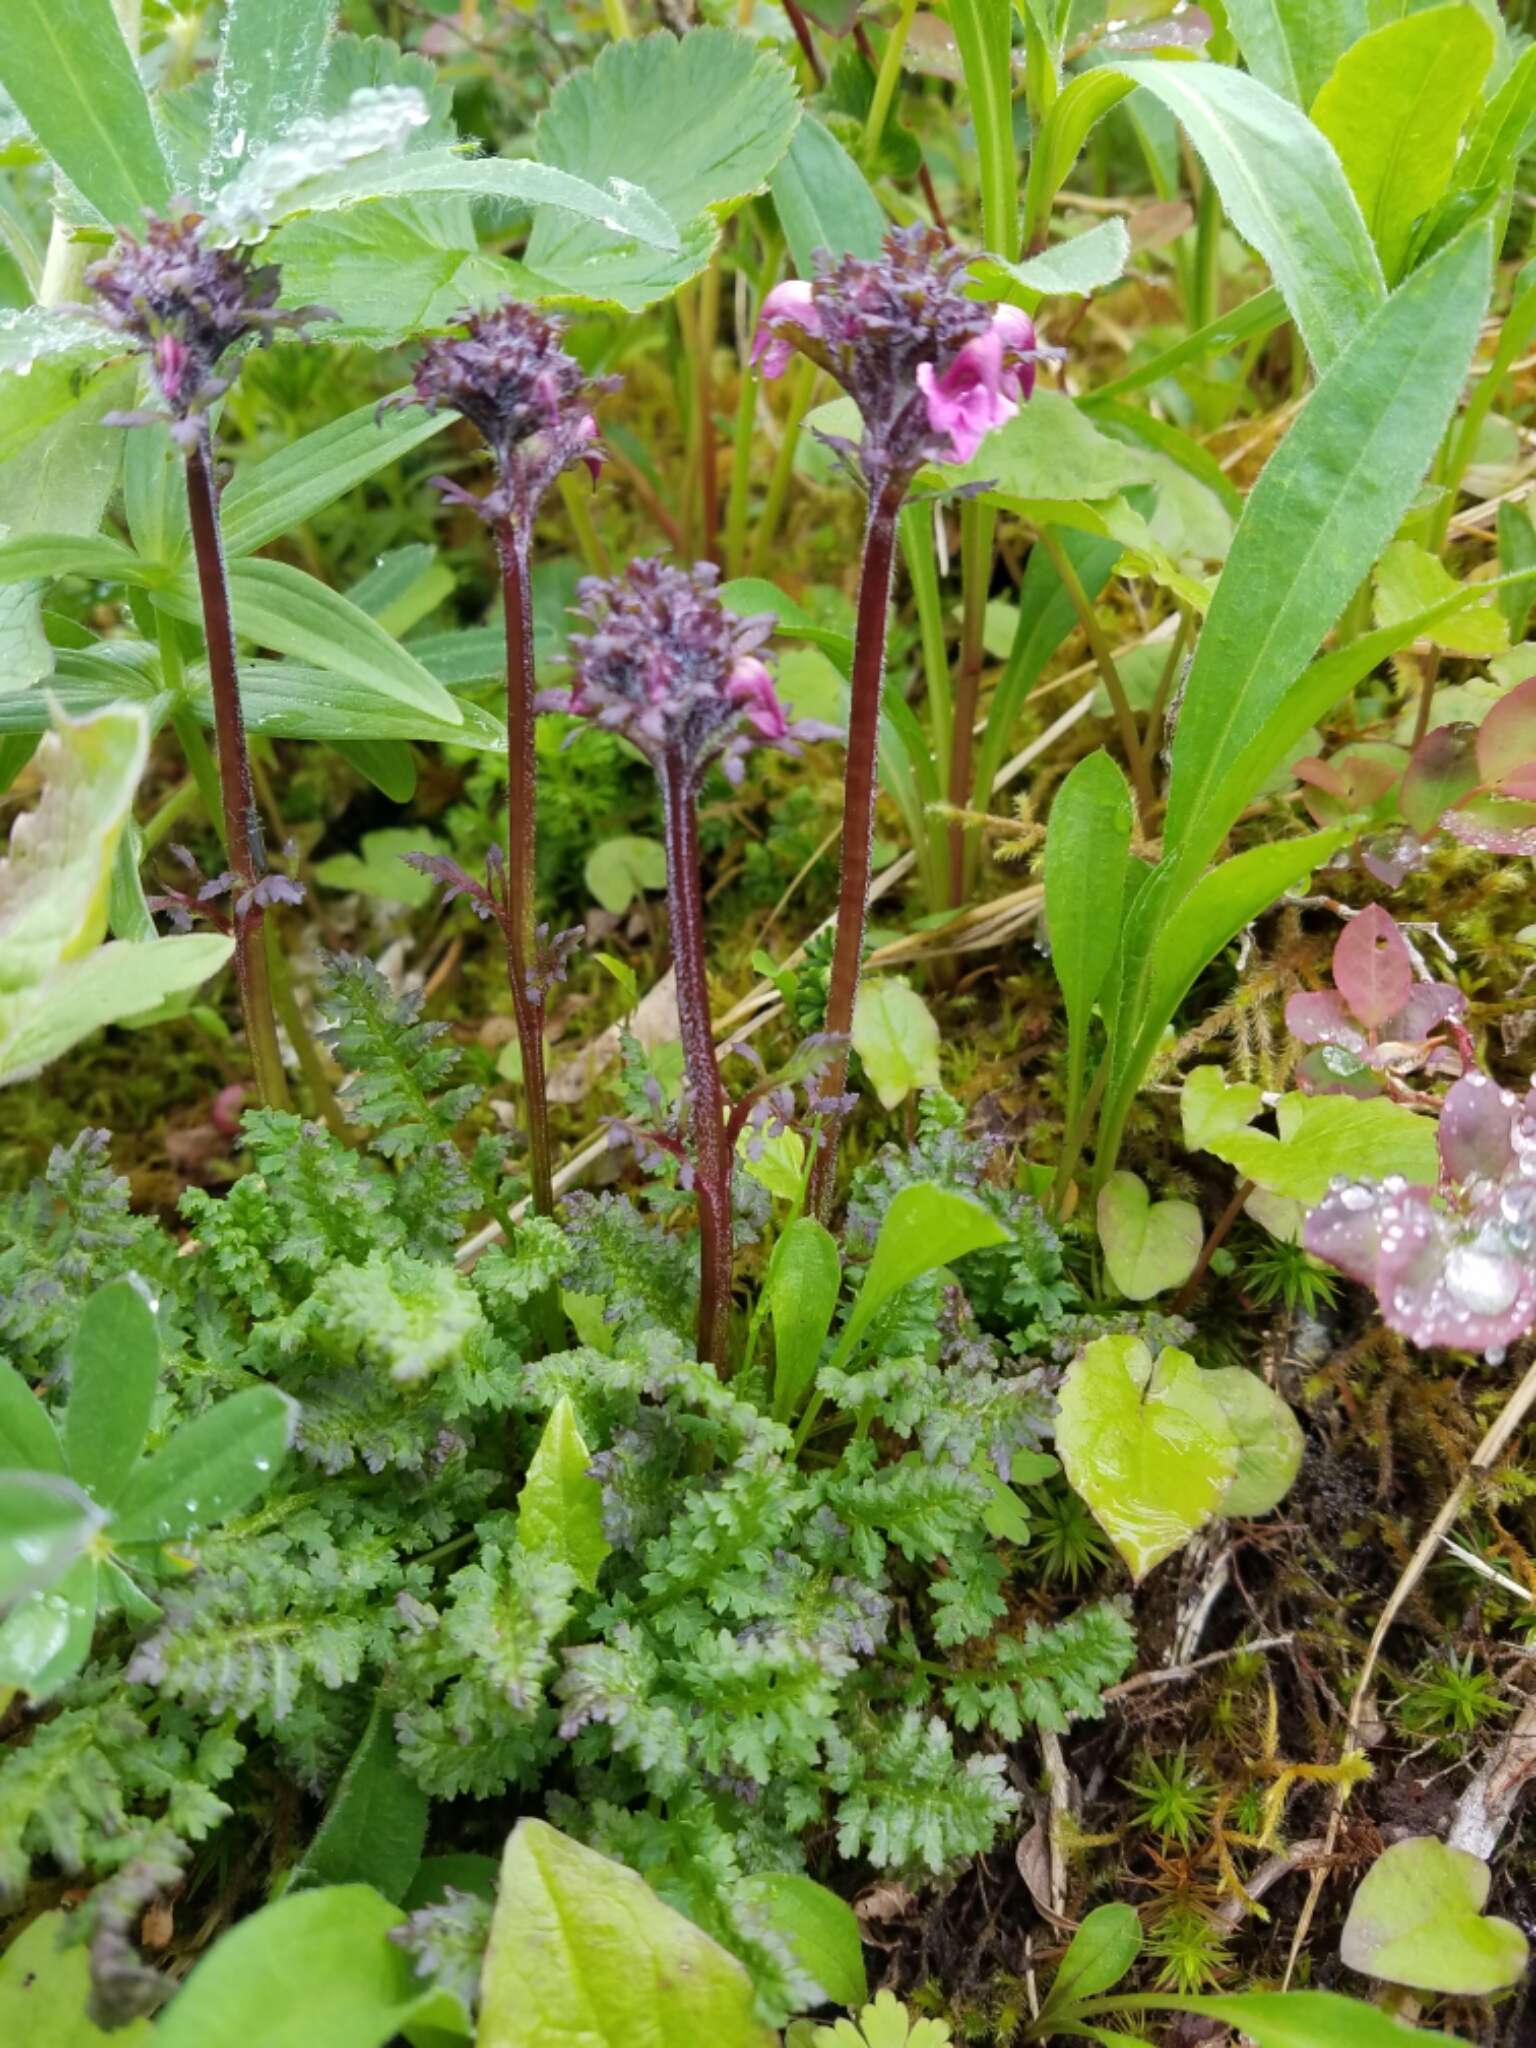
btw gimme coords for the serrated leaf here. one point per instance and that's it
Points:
(896, 1037)
(211, 1468)
(582, 1949)
(1417, 1919)
(699, 120)
(1147, 1447)
(114, 1368)
(1148, 1246)
(560, 1509)
(271, 64)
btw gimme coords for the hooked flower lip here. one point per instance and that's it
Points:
(984, 385)
(793, 303)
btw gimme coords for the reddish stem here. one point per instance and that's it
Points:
(860, 784)
(242, 825)
(522, 799)
(706, 1097)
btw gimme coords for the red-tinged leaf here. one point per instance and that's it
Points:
(1494, 824)
(1521, 783)
(1476, 1122)
(1372, 967)
(1351, 782)
(1442, 771)
(1323, 1019)
(1506, 739)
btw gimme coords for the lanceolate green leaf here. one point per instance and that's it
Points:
(1324, 508)
(65, 64)
(113, 1371)
(1087, 847)
(267, 498)
(823, 198)
(804, 1276)
(1292, 45)
(210, 1468)
(1394, 110)
(1280, 182)
(984, 33)
(376, 1823)
(560, 1509)
(925, 1227)
(1502, 132)
(280, 607)
(28, 1440)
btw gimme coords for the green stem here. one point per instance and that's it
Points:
(168, 813)
(887, 76)
(594, 555)
(802, 389)
(741, 472)
(322, 1096)
(616, 15)
(978, 527)
(1104, 661)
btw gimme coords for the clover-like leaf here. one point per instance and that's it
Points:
(1148, 1246)
(1417, 1919)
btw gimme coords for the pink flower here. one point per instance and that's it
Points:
(793, 304)
(984, 385)
(751, 687)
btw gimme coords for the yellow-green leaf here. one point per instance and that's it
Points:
(560, 1509)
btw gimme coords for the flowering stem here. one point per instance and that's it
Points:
(706, 1097)
(242, 829)
(859, 788)
(522, 798)
(887, 77)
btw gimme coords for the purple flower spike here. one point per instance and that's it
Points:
(668, 666)
(530, 400)
(1455, 1267)
(186, 306)
(931, 371)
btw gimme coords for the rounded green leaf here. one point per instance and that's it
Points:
(1148, 1448)
(1268, 1436)
(44, 1987)
(896, 1036)
(1148, 1246)
(619, 870)
(582, 1950)
(1418, 1920)
(46, 1638)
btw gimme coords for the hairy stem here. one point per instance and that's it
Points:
(977, 525)
(522, 798)
(242, 828)
(859, 789)
(706, 1097)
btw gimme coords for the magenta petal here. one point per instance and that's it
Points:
(788, 307)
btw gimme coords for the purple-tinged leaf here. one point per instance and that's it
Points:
(1429, 1005)
(1372, 967)
(1391, 857)
(1476, 1121)
(453, 882)
(1351, 782)
(1494, 824)
(1506, 739)
(1324, 1019)
(1442, 770)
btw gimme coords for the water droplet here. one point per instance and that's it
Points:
(1482, 1280)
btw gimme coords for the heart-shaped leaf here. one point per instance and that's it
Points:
(1268, 1438)
(1211, 1106)
(1148, 1246)
(1148, 1447)
(1418, 1920)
